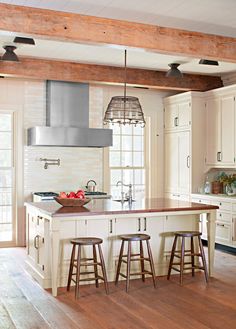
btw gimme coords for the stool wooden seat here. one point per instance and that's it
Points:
(181, 254)
(127, 259)
(77, 262)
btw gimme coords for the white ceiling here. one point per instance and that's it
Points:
(209, 16)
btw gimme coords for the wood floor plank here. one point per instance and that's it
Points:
(5, 319)
(195, 305)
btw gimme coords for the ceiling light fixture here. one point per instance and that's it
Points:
(208, 62)
(24, 40)
(124, 109)
(174, 71)
(9, 54)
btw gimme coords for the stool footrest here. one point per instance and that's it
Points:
(136, 273)
(188, 255)
(136, 259)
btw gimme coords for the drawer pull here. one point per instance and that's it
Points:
(111, 226)
(36, 241)
(188, 161)
(222, 225)
(139, 224)
(145, 224)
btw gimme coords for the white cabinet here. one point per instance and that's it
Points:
(225, 218)
(178, 115)
(177, 162)
(184, 162)
(184, 144)
(220, 115)
(37, 243)
(171, 162)
(213, 129)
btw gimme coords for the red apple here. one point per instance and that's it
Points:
(71, 195)
(80, 194)
(62, 195)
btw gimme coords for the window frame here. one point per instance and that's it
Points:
(146, 164)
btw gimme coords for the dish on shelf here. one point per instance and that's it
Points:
(67, 202)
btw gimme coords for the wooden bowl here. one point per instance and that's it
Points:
(72, 202)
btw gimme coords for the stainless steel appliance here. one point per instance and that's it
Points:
(67, 119)
(44, 196)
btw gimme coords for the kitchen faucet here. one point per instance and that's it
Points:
(127, 195)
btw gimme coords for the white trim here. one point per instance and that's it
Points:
(18, 198)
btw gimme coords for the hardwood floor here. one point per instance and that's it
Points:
(24, 305)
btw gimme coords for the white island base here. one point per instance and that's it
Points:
(50, 229)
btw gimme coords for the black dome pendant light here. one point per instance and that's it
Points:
(9, 54)
(174, 71)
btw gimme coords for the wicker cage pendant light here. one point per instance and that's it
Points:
(124, 109)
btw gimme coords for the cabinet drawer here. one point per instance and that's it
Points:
(224, 216)
(200, 200)
(223, 205)
(223, 233)
(234, 207)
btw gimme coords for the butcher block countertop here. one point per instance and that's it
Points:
(110, 207)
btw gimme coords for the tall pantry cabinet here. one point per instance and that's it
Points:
(220, 119)
(184, 135)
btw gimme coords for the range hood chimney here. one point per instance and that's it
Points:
(67, 119)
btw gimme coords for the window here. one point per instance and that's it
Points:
(6, 177)
(127, 160)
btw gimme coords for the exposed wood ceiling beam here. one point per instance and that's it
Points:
(70, 71)
(88, 29)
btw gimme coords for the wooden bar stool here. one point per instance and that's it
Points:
(134, 257)
(78, 262)
(181, 254)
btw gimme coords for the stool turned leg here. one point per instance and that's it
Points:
(72, 260)
(77, 273)
(182, 260)
(119, 262)
(203, 258)
(192, 257)
(95, 265)
(128, 266)
(172, 257)
(103, 269)
(142, 260)
(151, 263)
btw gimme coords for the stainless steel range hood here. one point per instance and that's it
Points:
(67, 119)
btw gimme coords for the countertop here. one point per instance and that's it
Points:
(110, 207)
(221, 196)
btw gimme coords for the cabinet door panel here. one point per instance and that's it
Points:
(184, 162)
(171, 113)
(155, 227)
(227, 130)
(99, 228)
(177, 223)
(223, 233)
(126, 226)
(213, 130)
(32, 231)
(171, 162)
(184, 114)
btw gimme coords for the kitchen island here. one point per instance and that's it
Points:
(50, 228)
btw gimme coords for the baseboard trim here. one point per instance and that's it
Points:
(222, 247)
